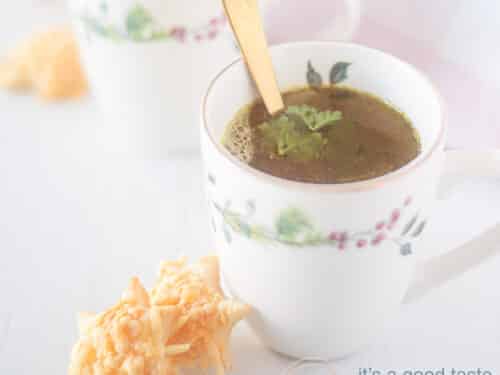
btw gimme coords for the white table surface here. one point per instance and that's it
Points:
(76, 222)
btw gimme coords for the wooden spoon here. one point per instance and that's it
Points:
(246, 23)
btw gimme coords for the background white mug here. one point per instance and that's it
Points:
(149, 62)
(327, 266)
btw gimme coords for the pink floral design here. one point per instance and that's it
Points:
(293, 228)
(381, 232)
(140, 26)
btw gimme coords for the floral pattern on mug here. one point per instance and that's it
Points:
(292, 227)
(338, 73)
(139, 25)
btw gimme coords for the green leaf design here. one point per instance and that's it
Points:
(259, 233)
(250, 206)
(233, 220)
(409, 225)
(291, 223)
(245, 229)
(419, 229)
(94, 26)
(293, 228)
(313, 77)
(338, 73)
(227, 235)
(211, 178)
(405, 249)
(313, 118)
(103, 7)
(160, 35)
(313, 237)
(214, 226)
(139, 23)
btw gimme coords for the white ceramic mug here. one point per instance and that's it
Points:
(327, 266)
(149, 62)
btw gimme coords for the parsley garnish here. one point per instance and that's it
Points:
(313, 118)
(296, 132)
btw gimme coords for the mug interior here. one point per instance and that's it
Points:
(373, 71)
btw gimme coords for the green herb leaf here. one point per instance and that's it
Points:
(313, 118)
(301, 146)
(326, 118)
(308, 147)
(287, 138)
(271, 131)
(294, 133)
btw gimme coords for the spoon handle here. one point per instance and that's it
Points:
(246, 23)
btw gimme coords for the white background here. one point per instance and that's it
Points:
(76, 221)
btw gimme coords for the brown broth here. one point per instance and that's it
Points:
(370, 140)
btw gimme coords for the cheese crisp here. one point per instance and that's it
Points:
(183, 322)
(47, 63)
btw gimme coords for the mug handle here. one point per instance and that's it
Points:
(459, 166)
(343, 26)
(353, 16)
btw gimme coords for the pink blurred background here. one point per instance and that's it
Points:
(455, 42)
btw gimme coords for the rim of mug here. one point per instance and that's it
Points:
(355, 186)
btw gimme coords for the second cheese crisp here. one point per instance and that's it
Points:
(183, 322)
(48, 63)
